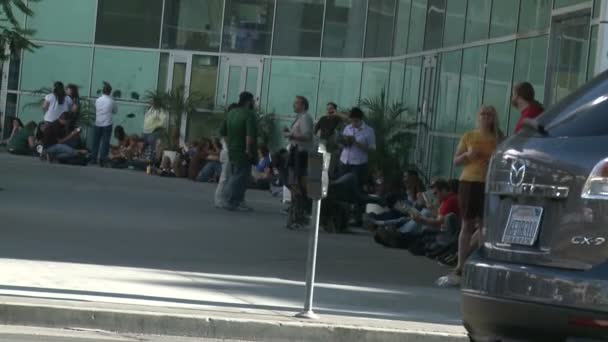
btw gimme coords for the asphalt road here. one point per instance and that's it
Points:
(117, 218)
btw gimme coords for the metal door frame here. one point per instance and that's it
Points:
(426, 116)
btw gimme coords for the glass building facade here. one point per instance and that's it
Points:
(440, 58)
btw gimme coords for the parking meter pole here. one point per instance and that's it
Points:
(312, 264)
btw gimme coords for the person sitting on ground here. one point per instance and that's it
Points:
(448, 205)
(23, 142)
(54, 139)
(262, 172)
(42, 125)
(211, 171)
(16, 126)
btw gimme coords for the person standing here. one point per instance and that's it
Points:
(301, 142)
(155, 120)
(473, 154)
(523, 98)
(74, 95)
(327, 130)
(56, 103)
(240, 132)
(105, 109)
(220, 199)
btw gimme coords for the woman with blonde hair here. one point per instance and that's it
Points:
(473, 154)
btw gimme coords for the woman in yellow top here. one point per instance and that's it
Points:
(474, 152)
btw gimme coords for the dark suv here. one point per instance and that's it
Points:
(541, 273)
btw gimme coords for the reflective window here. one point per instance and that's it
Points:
(471, 88)
(80, 14)
(447, 96)
(265, 84)
(375, 79)
(163, 69)
(131, 73)
(289, 78)
(499, 76)
(478, 20)
(411, 85)
(193, 25)
(434, 28)
(204, 77)
(29, 108)
(402, 27)
(530, 66)
(133, 125)
(14, 70)
(504, 17)
(534, 15)
(395, 89)
(141, 17)
(441, 157)
(298, 28)
(48, 64)
(417, 26)
(344, 27)
(565, 3)
(248, 26)
(592, 53)
(454, 22)
(597, 7)
(380, 24)
(340, 83)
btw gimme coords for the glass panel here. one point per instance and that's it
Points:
(163, 70)
(411, 86)
(530, 66)
(380, 24)
(417, 25)
(471, 87)
(402, 27)
(597, 7)
(265, 85)
(13, 71)
(344, 29)
(132, 125)
(395, 89)
(340, 83)
(454, 22)
(204, 77)
(565, 3)
(504, 17)
(447, 97)
(499, 76)
(179, 75)
(50, 16)
(142, 17)
(434, 28)
(29, 108)
(375, 79)
(570, 45)
(441, 157)
(478, 20)
(40, 68)
(234, 83)
(251, 82)
(298, 28)
(592, 53)
(131, 73)
(193, 25)
(289, 78)
(534, 15)
(248, 26)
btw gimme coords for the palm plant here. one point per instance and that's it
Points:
(177, 103)
(393, 125)
(12, 35)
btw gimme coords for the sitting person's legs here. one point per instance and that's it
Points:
(62, 151)
(211, 170)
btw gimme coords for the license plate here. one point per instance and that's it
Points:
(522, 227)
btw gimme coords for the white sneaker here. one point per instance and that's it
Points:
(450, 280)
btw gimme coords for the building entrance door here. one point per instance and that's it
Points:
(241, 73)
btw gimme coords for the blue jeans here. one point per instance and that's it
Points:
(101, 143)
(61, 151)
(236, 184)
(211, 168)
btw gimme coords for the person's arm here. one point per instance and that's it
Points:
(369, 142)
(68, 137)
(429, 221)
(46, 103)
(463, 155)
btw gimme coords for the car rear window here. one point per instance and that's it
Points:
(583, 113)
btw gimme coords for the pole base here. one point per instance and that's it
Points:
(307, 315)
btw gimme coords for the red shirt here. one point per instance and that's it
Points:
(449, 205)
(531, 112)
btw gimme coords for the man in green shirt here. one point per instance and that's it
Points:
(23, 141)
(240, 132)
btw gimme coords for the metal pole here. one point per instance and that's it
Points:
(308, 312)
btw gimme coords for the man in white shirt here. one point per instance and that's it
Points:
(105, 108)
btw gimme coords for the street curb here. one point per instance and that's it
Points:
(150, 323)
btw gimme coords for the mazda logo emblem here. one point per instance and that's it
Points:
(518, 173)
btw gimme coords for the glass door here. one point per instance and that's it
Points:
(241, 73)
(568, 54)
(426, 112)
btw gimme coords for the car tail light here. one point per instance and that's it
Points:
(596, 186)
(588, 322)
